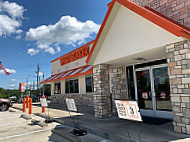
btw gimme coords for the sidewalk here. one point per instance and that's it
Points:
(113, 128)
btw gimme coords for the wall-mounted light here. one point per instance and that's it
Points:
(139, 59)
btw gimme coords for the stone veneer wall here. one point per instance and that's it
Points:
(80, 99)
(118, 84)
(178, 57)
(102, 96)
(177, 10)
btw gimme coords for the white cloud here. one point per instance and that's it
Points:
(40, 73)
(67, 31)
(14, 80)
(8, 70)
(12, 85)
(11, 15)
(33, 51)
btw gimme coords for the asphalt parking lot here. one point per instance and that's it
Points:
(14, 128)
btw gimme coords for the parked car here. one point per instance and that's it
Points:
(5, 104)
(13, 99)
(36, 98)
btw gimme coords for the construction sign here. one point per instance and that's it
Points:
(128, 110)
(71, 104)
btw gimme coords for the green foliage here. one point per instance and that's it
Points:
(8, 93)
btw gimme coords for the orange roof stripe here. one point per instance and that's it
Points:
(149, 14)
(85, 70)
(87, 44)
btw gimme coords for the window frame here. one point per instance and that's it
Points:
(72, 81)
(92, 84)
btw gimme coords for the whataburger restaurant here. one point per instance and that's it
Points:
(138, 54)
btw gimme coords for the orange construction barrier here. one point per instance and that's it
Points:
(43, 108)
(30, 106)
(24, 105)
(27, 101)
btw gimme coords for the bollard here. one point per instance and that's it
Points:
(43, 108)
(27, 101)
(30, 106)
(24, 106)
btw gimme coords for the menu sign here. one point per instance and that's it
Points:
(128, 110)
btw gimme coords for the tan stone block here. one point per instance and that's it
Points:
(185, 80)
(188, 129)
(177, 128)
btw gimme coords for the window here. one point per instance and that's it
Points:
(72, 86)
(89, 84)
(57, 88)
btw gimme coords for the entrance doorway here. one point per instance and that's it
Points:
(153, 91)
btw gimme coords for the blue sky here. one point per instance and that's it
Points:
(38, 31)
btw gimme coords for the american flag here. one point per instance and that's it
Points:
(2, 67)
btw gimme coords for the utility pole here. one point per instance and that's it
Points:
(26, 86)
(40, 86)
(43, 83)
(37, 72)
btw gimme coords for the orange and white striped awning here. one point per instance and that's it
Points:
(69, 74)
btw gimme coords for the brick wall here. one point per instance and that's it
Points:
(80, 99)
(178, 57)
(178, 10)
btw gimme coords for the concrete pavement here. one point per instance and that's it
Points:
(14, 128)
(114, 129)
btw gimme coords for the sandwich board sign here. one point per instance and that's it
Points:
(128, 110)
(43, 102)
(71, 104)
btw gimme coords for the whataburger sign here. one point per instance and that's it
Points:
(128, 110)
(74, 55)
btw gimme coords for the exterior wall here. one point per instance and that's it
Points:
(125, 26)
(82, 85)
(52, 88)
(62, 86)
(177, 10)
(102, 96)
(178, 57)
(80, 99)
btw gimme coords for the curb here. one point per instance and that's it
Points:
(25, 116)
(41, 124)
(66, 134)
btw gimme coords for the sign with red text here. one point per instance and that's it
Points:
(21, 87)
(128, 110)
(71, 104)
(74, 55)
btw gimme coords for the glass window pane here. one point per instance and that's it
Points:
(71, 83)
(57, 88)
(144, 89)
(76, 88)
(130, 83)
(89, 84)
(162, 89)
(67, 87)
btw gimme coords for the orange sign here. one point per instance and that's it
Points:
(74, 55)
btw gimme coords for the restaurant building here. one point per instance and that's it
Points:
(138, 54)
(72, 77)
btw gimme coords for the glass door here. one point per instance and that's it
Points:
(161, 85)
(153, 91)
(144, 91)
